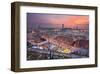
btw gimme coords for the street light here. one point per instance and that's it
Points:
(50, 56)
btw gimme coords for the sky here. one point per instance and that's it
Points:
(56, 20)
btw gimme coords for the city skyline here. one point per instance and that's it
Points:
(57, 36)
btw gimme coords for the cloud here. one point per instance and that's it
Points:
(57, 19)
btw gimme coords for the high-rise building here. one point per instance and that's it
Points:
(62, 26)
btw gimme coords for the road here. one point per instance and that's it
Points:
(53, 53)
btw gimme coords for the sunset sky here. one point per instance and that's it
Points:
(55, 20)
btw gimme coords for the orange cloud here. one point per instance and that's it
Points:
(72, 21)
